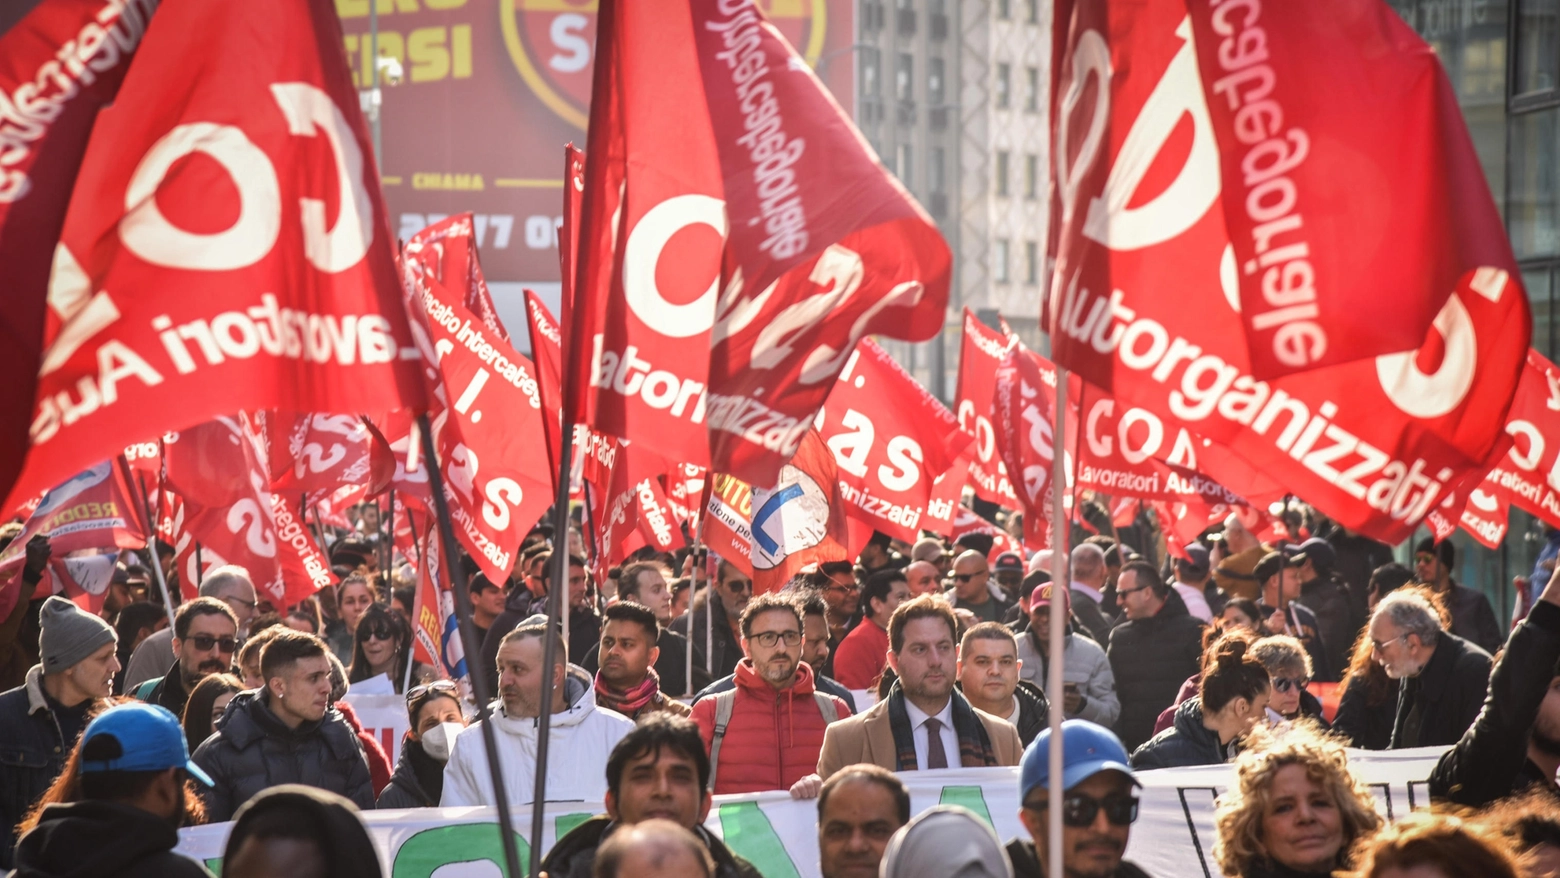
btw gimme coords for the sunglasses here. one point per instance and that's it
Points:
(966, 577)
(380, 632)
(204, 642)
(738, 585)
(437, 687)
(768, 639)
(1285, 684)
(1079, 811)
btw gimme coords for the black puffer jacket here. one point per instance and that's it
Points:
(1449, 690)
(252, 750)
(102, 840)
(1186, 742)
(1490, 762)
(575, 854)
(418, 780)
(1151, 658)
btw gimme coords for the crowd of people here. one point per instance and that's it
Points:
(674, 682)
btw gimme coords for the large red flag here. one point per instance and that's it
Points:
(1148, 295)
(547, 351)
(60, 62)
(226, 242)
(799, 521)
(740, 253)
(1528, 474)
(982, 351)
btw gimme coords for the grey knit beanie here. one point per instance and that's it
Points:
(68, 635)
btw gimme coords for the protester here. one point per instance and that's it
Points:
(878, 555)
(837, 584)
(931, 550)
(1242, 613)
(41, 719)
(1367, 701)
(1514, 744)
(1231, 699)
(1088, 684)
(248, 659)
(205, 635)
(584, 612)
(719, 606)
(1289, 667)
(945, 840)
(863, 653)
(1294, 810)
(287, 732)
(815, 646)
(659, 770)
(1441, 678)
(988, 670)
(127, 799)
(972, 590)
(1282, 613)
(382, 645)
(1529, 825)
(229, 584)
(765, 734)
(435, 715)
(1089, 578)
(923, 722)
(1313, 563)
(580, 734)
(299, 832)
(354, 595)
(1152, 652)
(627, 681)
(207, 703)
(860, 807)
(654, 849)
(647, 583)
(923, 577)
(1008, 571)
(1191, 581)
(136, 622)
(1422, 845)
(1472, 617)
(1242, 550)
(1098, 805)
(1389, 578)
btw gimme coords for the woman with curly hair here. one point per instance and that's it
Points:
(1295, 811)
(1424, 845)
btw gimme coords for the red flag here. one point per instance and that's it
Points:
(60, 62)
(1528, 474)
(947, 495)
(890, 438)
(742, 252)
(799, 521)
(727, 531)
(317, 452)
(1024, 413)
(547, 351)
(983, 350)
(210, 275)
(568, 271)
(1147, 297)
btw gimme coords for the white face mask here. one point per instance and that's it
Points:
(437, 740)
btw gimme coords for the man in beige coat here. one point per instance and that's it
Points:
(924, 722)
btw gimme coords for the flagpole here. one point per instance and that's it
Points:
(473, 651)
(1061, 583)
(693, 553)
(559, 584)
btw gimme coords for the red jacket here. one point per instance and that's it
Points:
(774, 737)
(861, 657)
(378, 763)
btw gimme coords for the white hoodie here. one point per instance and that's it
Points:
(581, 738)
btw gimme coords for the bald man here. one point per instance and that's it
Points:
(653, 849)
(971, 576)
(923, 577)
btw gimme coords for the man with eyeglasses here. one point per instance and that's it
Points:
(1098, 805)
(229, 584)
(205, 636)
(766, 733)
(1442, 679)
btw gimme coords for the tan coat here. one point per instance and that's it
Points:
(868, 737)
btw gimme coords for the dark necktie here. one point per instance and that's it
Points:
(936, 756)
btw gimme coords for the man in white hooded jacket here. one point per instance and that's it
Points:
(581, 734)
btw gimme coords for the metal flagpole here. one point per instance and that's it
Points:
(555, 609)
(473, 650)
(709, 615)
(693, 552)
(1061, 582)
(151, 535)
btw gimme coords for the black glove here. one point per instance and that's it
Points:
(38, 553)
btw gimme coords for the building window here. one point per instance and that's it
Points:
(902, 166)
(1533, 206)
(1031, 263)
(1538, 32)
(1031, 176)
(1004, 9)
(999, 261)
(1032, 11)
(1004, 87)
(871, 73)
(1002, 173)
(936, 170)
(934, 82)
(904, 77)
(1031, 89)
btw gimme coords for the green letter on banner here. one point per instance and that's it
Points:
(970, 797)
(422, 854)
(749, 834)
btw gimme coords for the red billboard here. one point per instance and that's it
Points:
(491, 90)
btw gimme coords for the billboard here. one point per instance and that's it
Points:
(490, 92)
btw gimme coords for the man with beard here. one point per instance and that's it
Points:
(130, 803)
(719, 606)
(626, 682)
(859, 810)
(1472, 617)
(229, 584)
(1442, 678)
(204, 640)
(924, 722)
(815, 646)
(648, 583)
(1514, 745)
(1098, 805)
(765, 733)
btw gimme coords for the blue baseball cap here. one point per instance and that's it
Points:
(150, 739)
(1087, 750)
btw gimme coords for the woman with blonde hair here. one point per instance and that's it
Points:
(1425, 845)
(1295, 811)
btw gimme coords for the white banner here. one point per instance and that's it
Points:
(1172, 838)
(384, 717)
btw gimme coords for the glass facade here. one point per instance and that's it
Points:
(1503, 60)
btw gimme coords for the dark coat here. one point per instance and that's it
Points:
(1186, 742)
(102, 840)
(166, 691)
(725, 651)
(1026, 864)
(671, 666)
(252, 750)
(1034, 711)
(1150, 659)
(1336, 622)
(1473, 619)
(418, 780)
(1093, 619)
(1449, 692)
(1368, 726)
(575, 854)
(519, 605)
(32, 754)
(1490, 762)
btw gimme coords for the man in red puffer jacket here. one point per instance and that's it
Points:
(766, 733)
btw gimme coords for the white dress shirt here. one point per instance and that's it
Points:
(918, 728)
